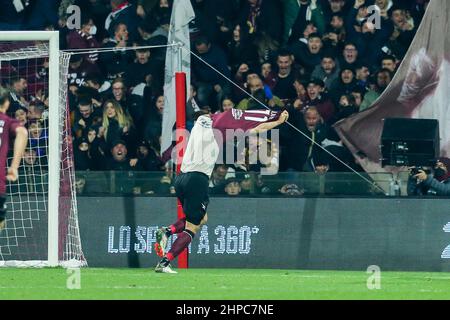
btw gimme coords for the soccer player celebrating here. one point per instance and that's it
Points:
(198, 164)
(9, 128)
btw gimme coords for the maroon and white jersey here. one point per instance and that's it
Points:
(203, 147)
(235, 119)
(8, 128)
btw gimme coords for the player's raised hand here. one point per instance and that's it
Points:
(284, 117)
(12, 175)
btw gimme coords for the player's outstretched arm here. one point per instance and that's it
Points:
(20, 143)
(271, 125)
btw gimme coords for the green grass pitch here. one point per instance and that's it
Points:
(218, 284)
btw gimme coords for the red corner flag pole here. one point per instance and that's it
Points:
(180, 79)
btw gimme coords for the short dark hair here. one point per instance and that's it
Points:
(202, 40)
(329, 56)
(4, 96)
(384, 70)
(85, 102)
(200, 113)
(348, 43)
(284, 53)
(314, 35)
(389, 57)
(142, 46)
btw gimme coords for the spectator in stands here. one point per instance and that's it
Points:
(123, 13)
(21, 115)
(431, 184)
(80, 185)
(83, 161)
(308, 55)
(327, 71)
(343, 85)
(358, 94)
(148, 157)
(210, 85)
(284, 87)
(218, 179)
(97, 148)
(362, 75)
(316, 97)
(232, 187)
(131, 104)
(84, 38)
(17, 91)
(36, 111)
(116, 62)
(144, 69)
(298, 14)
(120, 160)
(301, 93)
(383, 78)
(368, 38)
(81, 69)
(85, 117)
(227, 104)
(241, 48)
(347, 106)
(266, 46)
(101, 89)
(255, 84)
(302, 151)
(389, 63)
(350, 56)
(38, 138)
(117, 125)
(151, 126)
(405, 28)
(262, 16)
(31, 173)
(335, 34)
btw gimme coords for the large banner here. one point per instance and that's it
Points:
(265, 233)
(420, 90)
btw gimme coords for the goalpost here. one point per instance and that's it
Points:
(42, 222)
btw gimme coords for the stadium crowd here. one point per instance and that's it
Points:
(322, 60)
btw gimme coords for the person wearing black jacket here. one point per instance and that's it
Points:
(263, 15)
(116, 62)
(438, 184)
(298, 153)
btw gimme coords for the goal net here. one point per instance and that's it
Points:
(42, 221)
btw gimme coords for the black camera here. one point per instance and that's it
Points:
(416, 170)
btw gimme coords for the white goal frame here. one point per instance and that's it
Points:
(54, 142)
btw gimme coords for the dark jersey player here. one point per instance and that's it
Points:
(198, 164)
(9, 128)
